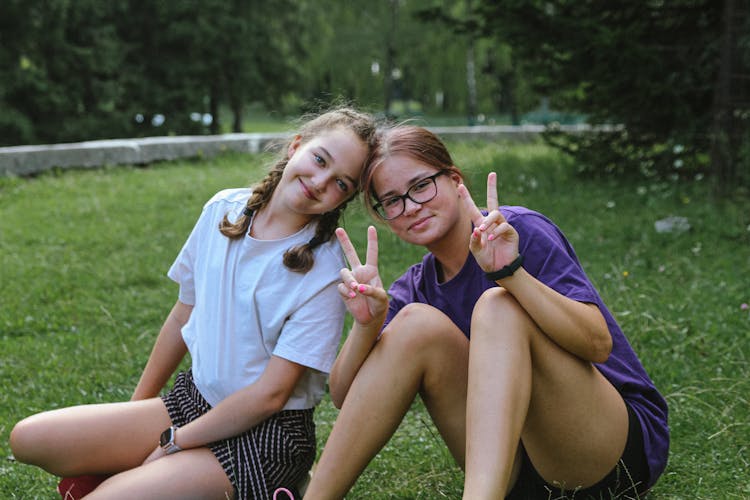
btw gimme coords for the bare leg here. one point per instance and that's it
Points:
(573, 423)
(190, 474)
(90, 439)
(421, 351)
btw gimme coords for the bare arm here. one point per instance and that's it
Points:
(353, 354)
(245, 408)
(166, 355)
(575, 326)
(242, 410)
(364, 296)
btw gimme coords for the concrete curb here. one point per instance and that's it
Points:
(29, 160)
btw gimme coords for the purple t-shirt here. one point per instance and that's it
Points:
(549, 257)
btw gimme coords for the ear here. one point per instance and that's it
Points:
(456, 178)
(294, 145)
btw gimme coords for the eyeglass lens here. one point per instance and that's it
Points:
(421, 192)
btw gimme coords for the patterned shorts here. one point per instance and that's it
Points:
(276, 453)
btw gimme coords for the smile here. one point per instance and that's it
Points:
(420, 223)
(307, 192)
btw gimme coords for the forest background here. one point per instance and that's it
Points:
(670, 80)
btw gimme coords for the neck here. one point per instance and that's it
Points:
(452, 250)
(270, 224)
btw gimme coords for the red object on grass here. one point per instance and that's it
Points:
(73, 488)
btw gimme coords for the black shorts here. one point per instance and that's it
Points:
(276, 453)
(628, 479)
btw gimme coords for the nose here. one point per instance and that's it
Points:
(317, 184)
(321, 181)
(411, 206)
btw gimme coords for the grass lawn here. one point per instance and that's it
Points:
(83, 257)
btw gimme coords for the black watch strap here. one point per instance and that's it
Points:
(506, 271)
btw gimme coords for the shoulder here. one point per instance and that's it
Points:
(517, 215)
(329, 256)
(413, 277)
(229, 197)
(228, 202)
(534, 226)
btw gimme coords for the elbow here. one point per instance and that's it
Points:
(601, 346)
(337, 394)
(599, 338)
(274, 402)
(337, 402)
(278, 402)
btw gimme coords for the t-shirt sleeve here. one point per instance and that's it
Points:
(182, 269)
(401, 293)
(549, 257)
(311, 335)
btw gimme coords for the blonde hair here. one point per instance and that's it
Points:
(300, 258)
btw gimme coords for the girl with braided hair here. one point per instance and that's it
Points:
(259, 313)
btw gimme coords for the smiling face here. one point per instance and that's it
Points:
(323, 172)
(421, 223)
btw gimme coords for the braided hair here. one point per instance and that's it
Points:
(300, 258)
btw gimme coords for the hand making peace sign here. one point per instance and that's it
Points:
(361, 287)
(494, 242)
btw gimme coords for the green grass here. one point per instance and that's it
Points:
(83, 292)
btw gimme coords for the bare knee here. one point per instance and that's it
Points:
(24, 440)
(498, 313)
(417, 326)
(493, 299)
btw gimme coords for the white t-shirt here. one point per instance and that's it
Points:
(248, 306)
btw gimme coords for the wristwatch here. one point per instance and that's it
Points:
(166, 441)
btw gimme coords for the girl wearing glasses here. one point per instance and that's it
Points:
(526, 374)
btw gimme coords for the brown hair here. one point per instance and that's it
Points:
(300, 258)
(408, 140)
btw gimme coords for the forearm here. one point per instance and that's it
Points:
(236, 414)
(245, 408)
(169, 350)
(577, 327)
(354, 352)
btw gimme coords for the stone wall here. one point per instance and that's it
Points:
(29, 160)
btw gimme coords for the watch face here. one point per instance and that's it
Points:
(166, 437)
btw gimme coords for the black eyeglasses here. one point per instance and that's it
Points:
(421, 191)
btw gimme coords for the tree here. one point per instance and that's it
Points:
(731, 103)
(493, 79)
(59, 81)
(650, 67)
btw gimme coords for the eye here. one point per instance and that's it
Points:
(420, 186)
(342, 185)
(319, 160)
(390, 202)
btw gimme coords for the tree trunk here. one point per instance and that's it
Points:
(237, 110)
(471, 84)
(390, 60)
(722, 154)
(213, 108)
